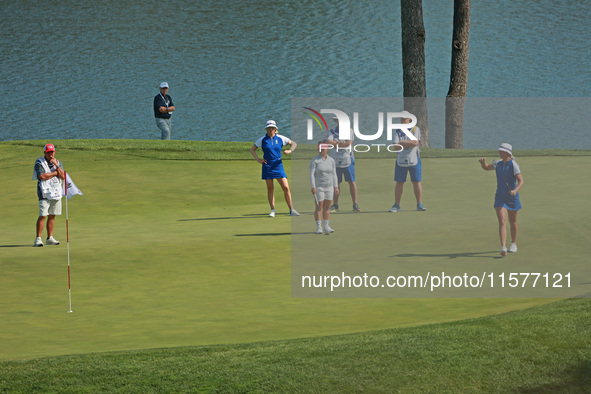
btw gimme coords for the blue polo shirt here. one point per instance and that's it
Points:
(272, 147)
(506, 181)
(272, 150)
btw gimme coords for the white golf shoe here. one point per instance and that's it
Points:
(503, 251)
(319, 230)
(293, 212)
(395, 208)
(272, 214)
(513, 248)
(38, 242)
(52, 241)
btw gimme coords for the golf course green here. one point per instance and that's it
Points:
(171, 245)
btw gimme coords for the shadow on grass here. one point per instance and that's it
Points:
(247, 216)
(482, 255)
(218, 218)
(261, 234)
(16, 246)
(351, 212)
(574, 380)
(271, 234)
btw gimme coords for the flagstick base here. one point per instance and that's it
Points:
(70, 293)
(75, 190)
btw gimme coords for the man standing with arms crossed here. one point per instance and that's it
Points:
(163, 108)
(408, 161)
(48, 173)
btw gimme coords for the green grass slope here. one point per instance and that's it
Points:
(543, 349)
(171, 248)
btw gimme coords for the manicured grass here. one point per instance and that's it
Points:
(170, 253)
(134, 149)
(216, 150)
(457, 234)
(543, 349)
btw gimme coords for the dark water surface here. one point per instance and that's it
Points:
(79, 70)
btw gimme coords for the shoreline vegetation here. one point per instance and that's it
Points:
(232, 150)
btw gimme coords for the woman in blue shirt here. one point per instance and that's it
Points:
(272, 167)
(509, 182)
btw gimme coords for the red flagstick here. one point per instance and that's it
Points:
(68, 243)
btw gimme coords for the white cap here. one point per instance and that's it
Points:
(164, 85)
(505, 147)
(271, 123)
(405, 115)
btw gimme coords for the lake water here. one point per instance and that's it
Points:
(72, 69)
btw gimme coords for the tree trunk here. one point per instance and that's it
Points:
(413, 64)
(458, 83)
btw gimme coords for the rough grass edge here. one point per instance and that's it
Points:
(237, 150)
(520, 351)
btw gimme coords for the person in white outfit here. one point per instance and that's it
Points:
(325, 186)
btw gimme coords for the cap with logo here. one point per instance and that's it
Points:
(163, 85)
(49, 148)
(271, 123)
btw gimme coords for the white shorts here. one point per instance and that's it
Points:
(324, 194)
(50, 207)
